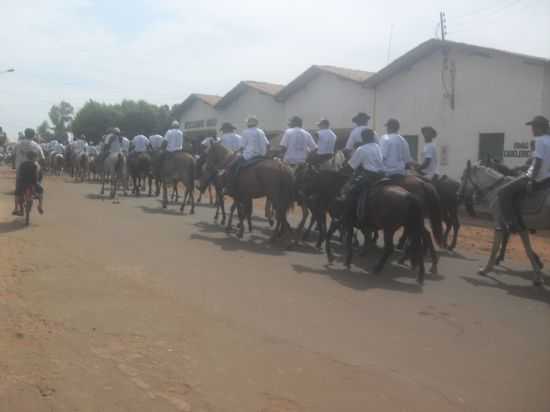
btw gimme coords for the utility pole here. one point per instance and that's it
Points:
(443, 25)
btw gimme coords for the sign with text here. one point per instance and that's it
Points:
(520, 149)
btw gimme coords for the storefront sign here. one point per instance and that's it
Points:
(199, 124)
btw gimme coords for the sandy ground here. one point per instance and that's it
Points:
(126, 307)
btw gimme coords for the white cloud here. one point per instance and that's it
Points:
(72, 50)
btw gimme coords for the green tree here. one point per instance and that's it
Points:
(45, 131)
(94, 119)
(61, 116)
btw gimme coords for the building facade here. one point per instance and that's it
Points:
(478, 99)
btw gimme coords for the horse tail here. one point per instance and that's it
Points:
(435, 213)
(414, 226)
(286, 189)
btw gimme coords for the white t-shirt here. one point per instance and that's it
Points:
(25, 146)
(369, 157)
(254, 142)
(355, 137)
(79, 146)
(140, 143)
(125, 144)
(231, 141)
(396, 154)
(542, 152)
(430, 152)
(298, 143)
(116, 144)
(156, 141)
(327, 140)
(174, 137)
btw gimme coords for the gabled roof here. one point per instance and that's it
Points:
(209, 99)
(358, 76)
(270, 89)
(430, 46)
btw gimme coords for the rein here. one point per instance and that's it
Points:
(482, 192)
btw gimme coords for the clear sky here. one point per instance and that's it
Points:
(162, 50)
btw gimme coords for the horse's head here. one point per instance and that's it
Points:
(216, 156)
(476, 182)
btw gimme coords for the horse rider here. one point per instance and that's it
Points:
(139, 144)
(155, 142)
(395, 151)
(26, 150)
(536, 178)
(254, 146)
(113, 142)
(430, 163)
(229, 139)
(367, 163)
(297, 143)
(326, 142)
(125, 145)
(173, 141)
(79, 146)
(355, 138)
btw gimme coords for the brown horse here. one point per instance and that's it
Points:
(387, 207)
(174, 168)
(139, 166)
(431, 205)
(267, 178)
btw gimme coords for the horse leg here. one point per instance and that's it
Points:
(230, 220)
(402, 240)
(185, 195)
(210, 198)
(334, 225)
(164, 194)
(150, 183)
(388, 250)
(102, 184)
(269, 211)
(221, 205)
(504, 244)
(456, 228)
(427, 237)
(497, 241)
(349, 246)
(367, 234)
(525, 239)
(241, 210)
(322, 223)
(249, 216)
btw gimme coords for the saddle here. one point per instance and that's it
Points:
(251, 162)
(335, 163)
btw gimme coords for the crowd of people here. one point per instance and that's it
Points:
(370, 156)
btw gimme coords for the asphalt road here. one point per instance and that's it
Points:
(128, 307)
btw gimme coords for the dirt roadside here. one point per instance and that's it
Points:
(91, 321)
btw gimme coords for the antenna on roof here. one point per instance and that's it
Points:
(443, 25)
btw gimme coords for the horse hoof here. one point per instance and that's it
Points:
(433, 270)
(482, 272)
(420, 280)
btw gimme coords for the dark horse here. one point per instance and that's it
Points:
(140, 168)
(387, 207)
(267, 178)
(174, 168)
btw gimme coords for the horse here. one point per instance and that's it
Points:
(267, 178)
(114, 165)
(81, 166)
(57, 161)
(174, 168)
(387, 207)
(480, 182)
(140, 168)
(431, 205)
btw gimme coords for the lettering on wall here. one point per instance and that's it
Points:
(520, 149)
(199, 124)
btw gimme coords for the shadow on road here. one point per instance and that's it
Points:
(13, 226)
(95, 196)
(362, 281)
(160, 211)
(531, 292)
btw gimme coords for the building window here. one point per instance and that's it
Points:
(491, 144)
(412, 140)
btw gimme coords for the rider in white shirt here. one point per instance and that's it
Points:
(229, 139)
(254, 141)
(326, 142)
(395, 150)
(536, 178)
(297, 143)
(125, 145)
(355, 139)
(114, 141)
(430, 163)
(140, 143)
(156, 141)
(174, 138)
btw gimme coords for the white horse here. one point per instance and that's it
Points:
(482, 183)
(114, 166)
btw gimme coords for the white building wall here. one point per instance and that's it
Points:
(496, 94)
(329, 96)
(269, 112)
(200, 111)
